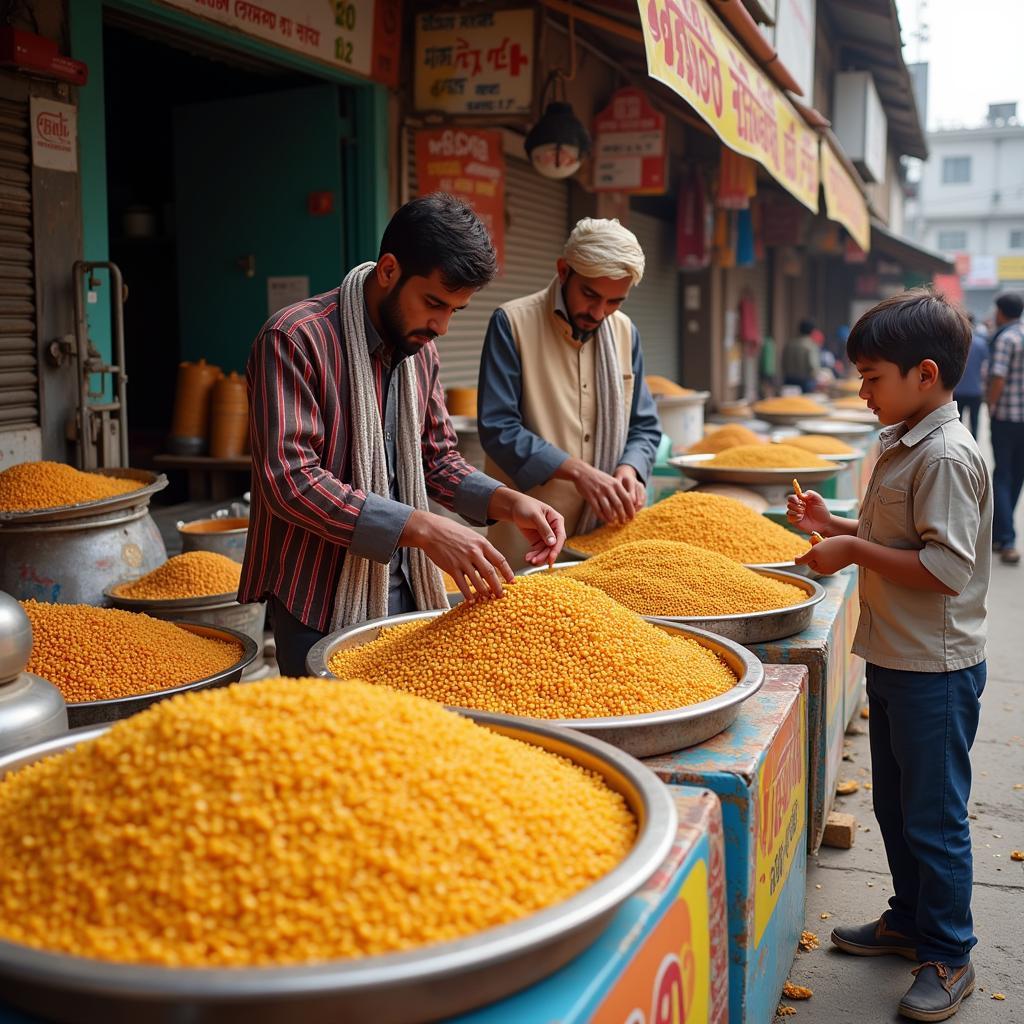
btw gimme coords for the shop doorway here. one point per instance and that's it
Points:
(224, 176)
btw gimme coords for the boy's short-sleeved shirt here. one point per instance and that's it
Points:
(930, 492)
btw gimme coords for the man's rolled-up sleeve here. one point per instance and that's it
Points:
(947, 515)
(526, 457)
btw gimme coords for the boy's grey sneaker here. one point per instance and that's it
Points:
(1009, 556)
(874, 939)
(937, 992)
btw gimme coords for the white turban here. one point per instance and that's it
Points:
(604, 248)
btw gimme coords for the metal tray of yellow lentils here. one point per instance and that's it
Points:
(426, 984)
(746, 627)
(659, 732)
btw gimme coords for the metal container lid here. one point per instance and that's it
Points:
(31, 709)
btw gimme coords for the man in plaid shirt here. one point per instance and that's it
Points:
(1006, 409)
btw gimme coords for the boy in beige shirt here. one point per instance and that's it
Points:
(923, 544)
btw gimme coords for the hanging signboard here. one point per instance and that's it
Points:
(629, 146)
(474, 62)
(54, 134)
(1010, 268)
(689, 51)
(844, 201)
(469, 164)
(983, 272)
(360, 36)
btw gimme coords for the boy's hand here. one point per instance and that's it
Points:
(829, 556)
(809, 513)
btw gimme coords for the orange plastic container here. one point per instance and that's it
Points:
(191, 417)
(229, 417)
(461, 402)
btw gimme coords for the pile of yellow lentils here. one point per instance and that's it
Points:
(551, 648)
(30, 486)
(262, 824)
(666, 388)
(664, 577)
(192, 574)
(729, 436)
(851, 402)
(820, 444)
(101, 653)
(795, 405)
(768, 456)
(709, 521)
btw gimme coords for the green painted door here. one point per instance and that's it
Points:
(244, 169)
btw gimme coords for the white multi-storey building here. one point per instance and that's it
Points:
(970, 204)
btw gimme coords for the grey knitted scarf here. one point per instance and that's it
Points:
(363, 587)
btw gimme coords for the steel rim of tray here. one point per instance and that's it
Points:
(143, 604)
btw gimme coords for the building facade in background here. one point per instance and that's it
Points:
(970, 205)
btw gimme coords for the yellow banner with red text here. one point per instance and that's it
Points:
(844, 201)
(690, 51)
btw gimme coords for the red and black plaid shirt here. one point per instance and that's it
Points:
(304, 515)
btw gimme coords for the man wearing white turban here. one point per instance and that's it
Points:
(564, 413)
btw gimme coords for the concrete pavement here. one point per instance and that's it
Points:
(852, 886)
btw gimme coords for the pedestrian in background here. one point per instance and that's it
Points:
(971, 389)
(1006, 411)
(801, 359)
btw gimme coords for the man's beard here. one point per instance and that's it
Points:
(395, 333)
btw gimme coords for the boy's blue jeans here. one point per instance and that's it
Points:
(922, 727)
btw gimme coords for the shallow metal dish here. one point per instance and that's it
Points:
(696, 467)
(863, 416)
(428, 984)
(150, 484)
(747, 627)
(789, 419)
(142, 604)
(836, 428)
(659, 732)
(94, 712)
(802, 570)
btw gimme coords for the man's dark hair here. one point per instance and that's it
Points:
(1010, 304)
(440, 232)
(806, 326)
(908, 328)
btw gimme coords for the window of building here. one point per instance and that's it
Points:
(952, 241)
(956, 170)
(1017, 239)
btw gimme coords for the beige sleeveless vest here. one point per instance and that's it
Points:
(558, 401)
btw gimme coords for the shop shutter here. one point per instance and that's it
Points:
(19, 377)
(653, 305)
(535, 232)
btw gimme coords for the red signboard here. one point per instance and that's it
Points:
(629, 146)
(469, 164)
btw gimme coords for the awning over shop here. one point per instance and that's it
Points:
(844, 200)
(690, 51)
(910, 254)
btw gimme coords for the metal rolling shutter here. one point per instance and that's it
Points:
(535, 232)
(653, 305)
(19, 377)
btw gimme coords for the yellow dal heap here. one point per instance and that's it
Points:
(708, 520)
(551, 648)
(665, 387)
(37, 485)
(853, 402)
(728, 436)
(289, 821)
(768, 456)
(192, 574)
(820, 444)
(794, 405)
(101, 653)
(663, 577)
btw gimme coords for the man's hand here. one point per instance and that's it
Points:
(475, 564)
(540, 524)
(608, 496)
(637, 489)
(829, 556)
(809, 513)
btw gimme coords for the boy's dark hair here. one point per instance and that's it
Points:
(806, 326)
(440, 232)
(908, 328)
(1010, 304)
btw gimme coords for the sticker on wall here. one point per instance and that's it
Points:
(54, 134)
(283, 291)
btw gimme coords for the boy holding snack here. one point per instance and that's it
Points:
(923, 543)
